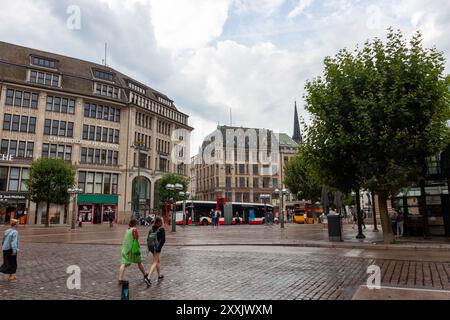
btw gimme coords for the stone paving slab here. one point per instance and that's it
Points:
(391, 293)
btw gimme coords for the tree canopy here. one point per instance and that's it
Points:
(378, 113)
(171, 178)
(49, 181)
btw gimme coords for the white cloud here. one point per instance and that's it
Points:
(181, 24)
(264, 7)
(300, 8)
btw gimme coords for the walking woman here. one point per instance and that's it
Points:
(131, 252)
(155, 241)
(10, 246)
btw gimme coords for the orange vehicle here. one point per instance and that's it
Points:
(307, 213)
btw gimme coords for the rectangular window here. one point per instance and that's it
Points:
(99, 112)
(15, 123)
(13, 148)
(116, 136)
(90, 182)
(49, 104)
(34, 100)
(70, 129)
(48, 79)
(81, 180)
(60, 152)
(33, 76)
(18, 99)
(32, 125)
(87, 108)
(24, 179)
(110, 135)
(6, 121)
(40, 77)
(57, 104)
(266, 183)
(55, 81)
(105, 113)
(97, 156)
(106, 183)
(116, 158)
(85, 131)
(64, 105)
(62, 129)
(105, 135)
(47, 125)
(68, 154)
(255, 183)
(24, 124)
(71, 108)
(103, 159)
(55, 126)
(93, 111)
(255, 169)
(14, 174)
(241, 182)
(30, 149)
(90, 157)
(98, 182)
(117, 115)
(3, 178)
(9, 97)
(241, 168)
(53, 151)
(26, 100)
(83, 155)
(92, 133)
(114, 183)
(98, 88)
(98, 134)
(111, 114)
(4, 146)
(110, 156)
(274, 183)
(21, 150)
(45, 150)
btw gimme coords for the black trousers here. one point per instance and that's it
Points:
(9, 262)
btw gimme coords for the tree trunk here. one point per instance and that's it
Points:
(47, 215)
(36, 215)
(388, 233)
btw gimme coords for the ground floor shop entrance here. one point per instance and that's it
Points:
(97, 209)
(13, 205)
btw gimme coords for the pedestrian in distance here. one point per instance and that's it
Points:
(364, 217)
(400, 219)
(131, 252)
(10, 247)
(80, 220)
(111, 219)
(217, 218)
(238, 219)
(354, 217)
(212, 216)
(155, 242)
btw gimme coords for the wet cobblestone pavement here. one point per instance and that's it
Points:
(219, 272)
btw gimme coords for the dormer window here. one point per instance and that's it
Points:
(104, 75)
(43, 62)
(136, 88)
(44, 78)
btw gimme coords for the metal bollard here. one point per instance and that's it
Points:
(125, 290)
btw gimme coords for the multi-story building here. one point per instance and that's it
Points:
(244, 178)
(106, 124)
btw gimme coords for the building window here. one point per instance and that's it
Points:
(85, 131)
(97, 156)
(32, 125)
(241, 182)
(255, 169)
(71, 107)
(4, 146)
(13, 148)
(81, 180)
(34, 100)
(43, 62)
(14, 174)
(70, 129)
(44, 78)
(275, 183)
(62, 129)
(55, 126)
(26, 100)
(90, 182)
(255, 182)
(30, 149)
(53, 148)
(45, 150)
(47, 126)
(15, 123)
(108, 76)
(114, 183)
(266, 183)
(18, 99)
(98, 182)
(9, 97)
(21, 150)
(83, 155)
(106, 183)
(7, 121)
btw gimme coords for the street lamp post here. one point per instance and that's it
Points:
(265, 197)
(359, 215)
(139, 145)
(281, 193)
(74, 192)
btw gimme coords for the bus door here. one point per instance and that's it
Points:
(251, 215)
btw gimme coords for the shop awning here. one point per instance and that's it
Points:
(98, 198)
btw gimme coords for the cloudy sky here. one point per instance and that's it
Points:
(210, 56)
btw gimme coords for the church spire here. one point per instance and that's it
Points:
(297, 136)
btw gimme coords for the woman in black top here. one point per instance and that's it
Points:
(155, 241)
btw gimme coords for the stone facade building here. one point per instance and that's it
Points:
(106, 124)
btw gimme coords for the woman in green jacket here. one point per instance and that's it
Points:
(131, 252)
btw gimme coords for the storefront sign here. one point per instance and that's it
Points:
(84, 142)
(6, 157)
(13, 196)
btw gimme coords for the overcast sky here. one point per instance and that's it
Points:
(252, 56)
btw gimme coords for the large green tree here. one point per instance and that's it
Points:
(377, 114)
(49, 181)
(301, 176)
(171, 178)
